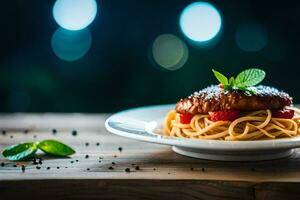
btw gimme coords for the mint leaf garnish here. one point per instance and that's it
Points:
(20, 151)
(244, 80)
(231, 81)
(220, 77)
(249, 77)
(56, 148)
(25, 151)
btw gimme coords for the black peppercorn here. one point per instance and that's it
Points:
(38, 167)
(97, 143)
(137, 168)
(48, 168)
(127, 170)
(111, 168)
(86, 156)
(23, 168)
(74, 132)
(87, 144)
(54, 131)
(34, 161)
(120, 149)
(3, 132)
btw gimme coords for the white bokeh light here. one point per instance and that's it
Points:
(169, 51)
(74, 14)
(200, 21)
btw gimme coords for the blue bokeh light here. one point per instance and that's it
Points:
(200, 21)
(71, 45)
(74, 14)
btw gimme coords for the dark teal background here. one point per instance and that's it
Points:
(117, 72)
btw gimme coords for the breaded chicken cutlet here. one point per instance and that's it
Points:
(215, 98)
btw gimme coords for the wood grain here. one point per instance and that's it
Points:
(161, 173)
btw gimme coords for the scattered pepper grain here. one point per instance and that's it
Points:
(23, 168)
(74, 132)
(127, 169)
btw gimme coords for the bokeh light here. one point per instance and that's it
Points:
(200, 21)
(71, 45)
(251, 37)
(74, 14)
(169, 52)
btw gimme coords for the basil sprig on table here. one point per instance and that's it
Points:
(243, 81)
(27, 150)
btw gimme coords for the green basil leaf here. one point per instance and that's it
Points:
(56, 148)
(221, 78)
(20, 151)
(249, 77)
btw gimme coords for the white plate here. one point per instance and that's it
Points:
(144, 123)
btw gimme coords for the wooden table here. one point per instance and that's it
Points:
(155, 170)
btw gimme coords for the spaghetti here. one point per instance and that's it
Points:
(256, 125)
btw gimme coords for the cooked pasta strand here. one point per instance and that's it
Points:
(256, 125)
